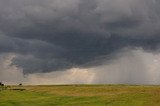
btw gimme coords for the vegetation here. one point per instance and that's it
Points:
(2, 87)
(1, 84)
(81, 95)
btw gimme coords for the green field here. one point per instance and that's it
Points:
(80, 95)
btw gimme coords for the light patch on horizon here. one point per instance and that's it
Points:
(72, 76)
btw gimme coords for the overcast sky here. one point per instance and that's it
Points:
(80, 41)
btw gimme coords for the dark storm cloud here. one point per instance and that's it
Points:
(59, 34)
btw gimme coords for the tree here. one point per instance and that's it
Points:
(0, 83)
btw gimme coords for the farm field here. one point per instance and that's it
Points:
(80, 95)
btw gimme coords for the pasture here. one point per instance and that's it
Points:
(80, 95)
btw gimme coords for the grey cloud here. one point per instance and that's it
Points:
(60, 34)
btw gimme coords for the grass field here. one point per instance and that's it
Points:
(81, 95)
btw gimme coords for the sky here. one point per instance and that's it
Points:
(80, 41)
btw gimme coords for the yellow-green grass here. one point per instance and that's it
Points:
(81, 95)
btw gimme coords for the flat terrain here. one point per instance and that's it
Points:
(80, 95)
